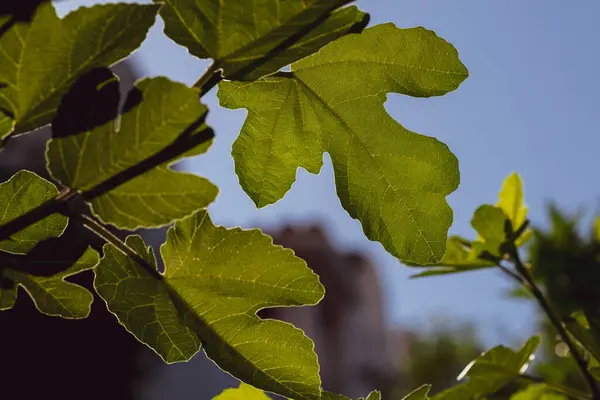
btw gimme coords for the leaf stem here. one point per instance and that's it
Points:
(529, 283)
(214, 75)
(101, 231)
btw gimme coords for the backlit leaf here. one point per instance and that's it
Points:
(40, 59)
(216, 279)
(419, 393)
(237, 33)
(84, 160)
(510, 200)
(537, 392)
(394, 181)
(52, 295)
(458, 258)
(21, 193)
(243, 392)
(489, 223)
(491, 371)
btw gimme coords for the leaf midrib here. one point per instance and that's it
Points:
(349, 129)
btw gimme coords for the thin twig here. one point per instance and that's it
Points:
(555, 320)
(100, 230)
(511, 274)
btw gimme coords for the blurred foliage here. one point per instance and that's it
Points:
(437, 357)
(566, 265)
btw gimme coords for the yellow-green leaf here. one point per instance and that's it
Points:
(87, 148)
(216, 279)
(394, 181)
(243, 392)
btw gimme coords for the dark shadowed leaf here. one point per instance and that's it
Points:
(21, 193)
(89, 149)
(216, 279)
(236, 34)
(52, 295)
(40, 59)
(394, 181)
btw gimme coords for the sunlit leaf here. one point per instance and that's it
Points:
(40, 59)
(243, 392)
(216, 280)
(392, 180)
(237, 33)
(459, 257)
(510, 200)
(84, 160)
(52, 295)
(420, 393)
(491, 371)
(579, 327)
(490, 224)
(537, 392)
(21, 193)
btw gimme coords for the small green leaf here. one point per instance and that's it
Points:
(597, 229)
(88, 150)
(537, 392)
(420, 393)
(489, 222)
(216, 280)
(237, 33)
(42, 58)
(459, 257)
(394, 181)
(243, 392)
(21, 193)
(578, 326)
(510, 200)
(52, 295)
(498, 367)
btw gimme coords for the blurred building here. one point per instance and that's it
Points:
(349, 326)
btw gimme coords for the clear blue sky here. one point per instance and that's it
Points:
(530, 105)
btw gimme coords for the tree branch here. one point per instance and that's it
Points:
(185, 142)
(529, 283)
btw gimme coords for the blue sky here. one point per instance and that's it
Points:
(530, 105)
